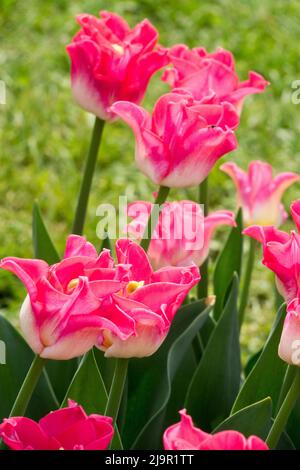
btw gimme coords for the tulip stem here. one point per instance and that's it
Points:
(202, 287)
(86, 182)
(153, 218)
(30, 382)
(287, 382)
(247, 280)
(117, 389)
(284, 412)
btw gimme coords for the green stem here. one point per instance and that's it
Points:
(247, 280)
(116, 389)
(86, 183)
(287, 382)
(202, 287)
(28, 386)
(153, 218)
(284, 412)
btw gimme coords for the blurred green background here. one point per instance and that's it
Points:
(45, 135)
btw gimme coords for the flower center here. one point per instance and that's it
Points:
(72, 284)
(107, 341)
(118, 48)
(132, 286)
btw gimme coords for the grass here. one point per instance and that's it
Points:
(44, 135)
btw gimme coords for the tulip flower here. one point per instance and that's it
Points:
(281, 254)
(185, 436)
(180, 143)
(86, 300)
(59, 317)
(203, 74)
(65, 429)
(111, 62)
(258, 193)
(182, 235)
(141, 313)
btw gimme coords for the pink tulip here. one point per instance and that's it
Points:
(289, 346)
(204, 74)
(258, 193)
(111, 62)
(182, 235)
(281, 254)
(185, 436)
(86, 300)
(60, 315)
(65, 429)
(142, 312)
(180, 143)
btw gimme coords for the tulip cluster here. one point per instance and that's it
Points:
(86, 300)
(122, 302)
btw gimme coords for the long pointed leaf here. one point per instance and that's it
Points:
(87, 389)
(216, 381)
(150, 379)
(266, 377)
(42, 243)
(228, 263)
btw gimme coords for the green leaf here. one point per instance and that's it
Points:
(88, 390)
(106, 243)
(87, 387)
(180, 383)
(18, 360)
(216, 381)
(150, 379)
(254, 420)
(229, 262)
(293, 425)
(266, 378)
(106, 367)
(251, 362)
(42, 243)
(286, 443)
(60, 374)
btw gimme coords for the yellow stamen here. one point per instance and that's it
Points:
(119, 49)
(107, 341)
(132, 286)
(72, 284)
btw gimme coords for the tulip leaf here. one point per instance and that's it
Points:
(251, 362)
(88, 390)
(286, 443)
(150, 379)
(87, 387)
(180, 384)
(254, 419)
(42, 243)
(216, 381)
(293, 425)
(60, 374)
(266, 377)
(106, 367)
(229, 262)
(18, 357)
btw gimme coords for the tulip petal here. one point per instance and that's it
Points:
(79, 246)
(183, 435)
(23, 434)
